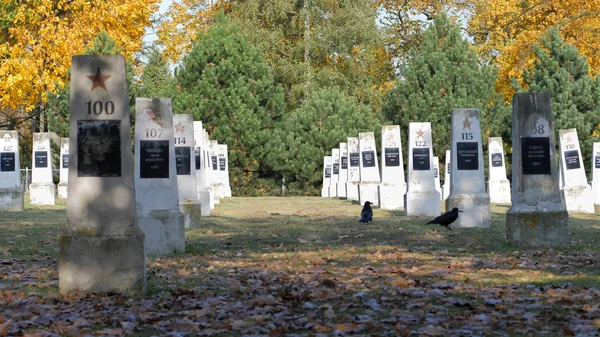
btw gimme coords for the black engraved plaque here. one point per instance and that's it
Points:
(354, 159)
(572, 160)
(435, 172)
(183, 162)
(41, 159)
(535, 155)
(214, 162)
(421, 161)
(496, 159)
(597, 161)
(99, 148)
(467, 156)
(336, 168)
(368, 158)
(222, 164)
(392, 156)
(154, 159)
(65, 161)
(197, 158)
(448, 167)
(328, 172)
(7, 162)
(344, 163)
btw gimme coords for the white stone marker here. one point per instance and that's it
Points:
(596, 174)
(201, 167)
(446, 186)
(64, 168)
(335, 172)
(11, 192)
(326, 176)
(209, 170)
(421, 197)
(42, 190)
(156, 190)
(368, 189)
(343, 176)
(224, 159)
(436, 175)
(498, 185)
(538, 216)
(577, 192)
(393, 186)
(183, 135)
(215, 181)
(101, 249)
(353, 169)
(467, 189)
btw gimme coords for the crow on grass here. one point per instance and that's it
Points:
(446, 219)
(366, 215)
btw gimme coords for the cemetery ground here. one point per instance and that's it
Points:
(305, 266)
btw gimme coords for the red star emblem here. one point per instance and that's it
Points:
(98, 80)
(390, 136)
(466, 124)
(569, 139)
(179, 127)
(7, 138)
(420, 133)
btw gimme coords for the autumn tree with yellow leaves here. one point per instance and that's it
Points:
(38, 38)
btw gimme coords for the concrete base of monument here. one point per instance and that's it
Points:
(62, 190)
(227, 191)
(475, 210)
(445, 191)
(352, 191)
(325, 192)
(499, 191)
(368, 192)
(192, 211)
(422, 203)
(11, 199)
(391, 196)
(597, 208)
(102, 264)
(579, 199)
(341, 190)
(204, 197)
(164, 231)
(42, 194)
(213, 197)
(539, 227)
(333, 190)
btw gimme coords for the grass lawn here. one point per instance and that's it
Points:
(305, 266)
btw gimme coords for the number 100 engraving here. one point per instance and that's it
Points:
(97, 107)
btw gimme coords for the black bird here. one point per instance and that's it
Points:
(446, 219)
(366, 215)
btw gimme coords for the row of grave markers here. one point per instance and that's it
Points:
(542, 191)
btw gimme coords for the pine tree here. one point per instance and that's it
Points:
(58, 103)
(564, 74)
(320, 124)
(156, 80)
(442, 75)
(225, 83)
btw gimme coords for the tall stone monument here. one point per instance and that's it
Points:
(215, 176)
(209, 169)
(577, 192)
(498, 184)
(467, 188)
(326, 176)
(353, 169)
(335, 172)
(64, 168)
(368, 189)
(156, 190)
(538, 216)
(42, 190)
(393, 186)
(183, 133)
(596, 175)
(446, 186)
(224, 170)
(11, 192)
(343, 176)
(436, 175)
(201, 166)
(101, 249)
(421, 197)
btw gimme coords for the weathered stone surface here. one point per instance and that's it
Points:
(596, 176)
(498, 185)
(353, 169)
(393, 186)
(326, 176)
(538, 216)
(421, 197)
(204, 195)
(64, 168)
(446, 185)
(42, 190)
(368, 188)
(577, 192)
(343, 176)
(335, 172)
(467, 188)
(11, 192)
(436, 175)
